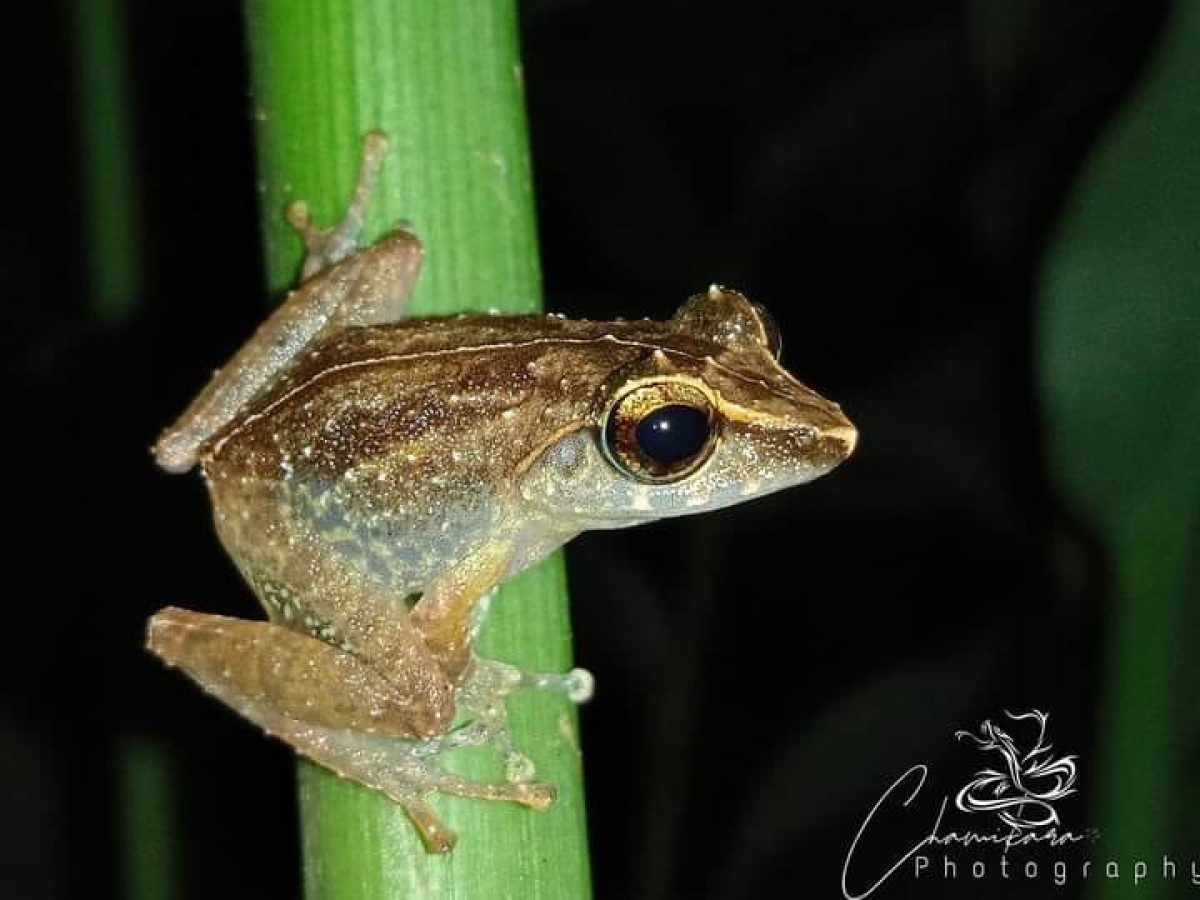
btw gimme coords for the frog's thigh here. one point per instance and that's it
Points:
(270, 674)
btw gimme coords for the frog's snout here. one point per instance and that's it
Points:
(835, 436)
(839, 441)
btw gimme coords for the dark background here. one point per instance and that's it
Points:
(883, 176)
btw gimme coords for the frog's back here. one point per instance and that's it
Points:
(480, 360)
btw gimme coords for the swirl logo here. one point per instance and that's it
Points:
(1021, 792)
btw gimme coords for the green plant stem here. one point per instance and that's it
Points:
(1120, 376)
(443, 81)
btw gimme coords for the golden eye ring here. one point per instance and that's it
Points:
(660, 431)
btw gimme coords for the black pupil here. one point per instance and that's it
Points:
(672, 433)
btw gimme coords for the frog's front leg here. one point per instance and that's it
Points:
(385, 731)
(449, 616)
(342, 288)
(331, 245)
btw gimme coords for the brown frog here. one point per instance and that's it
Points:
(374, 479)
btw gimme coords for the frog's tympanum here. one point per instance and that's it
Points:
(374, 479)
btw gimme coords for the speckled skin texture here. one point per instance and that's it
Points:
(356, 463)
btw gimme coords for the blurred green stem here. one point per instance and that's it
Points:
(145, 778)
(111, 247)
(112, 279)
(443, 81)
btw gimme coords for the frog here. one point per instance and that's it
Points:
(374, 478)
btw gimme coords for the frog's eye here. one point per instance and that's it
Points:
(770, 329)
(660, 432)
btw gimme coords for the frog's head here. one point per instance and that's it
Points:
(704, 418)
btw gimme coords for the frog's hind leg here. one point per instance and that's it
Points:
(342, 288)
(386, 733)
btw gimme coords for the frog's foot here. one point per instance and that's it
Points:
(433, 831)
(331, 245)
(483, 698)
(408, 772)
(578, 685)
(498, 679)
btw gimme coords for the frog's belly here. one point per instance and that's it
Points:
(314, 558)
(401, 549)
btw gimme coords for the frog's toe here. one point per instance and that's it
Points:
(434, 833)
(518, 767)
(578, 685)
(534, 794)
(299, 216)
